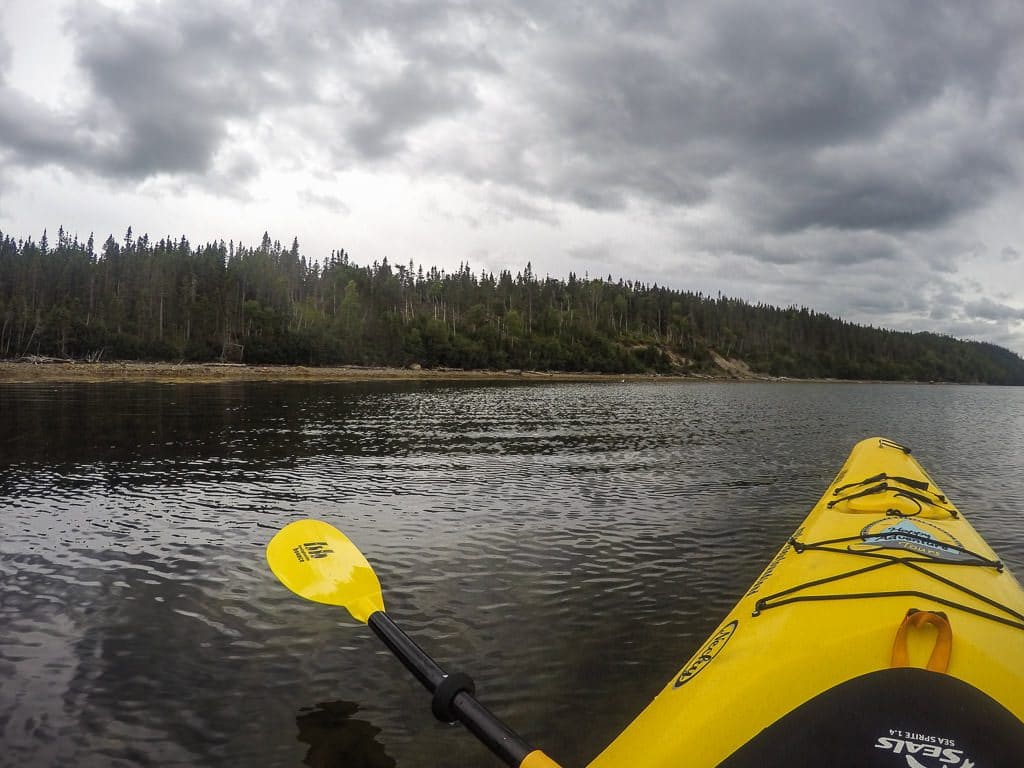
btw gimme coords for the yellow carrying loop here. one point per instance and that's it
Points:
(939, 660)
(538, 759)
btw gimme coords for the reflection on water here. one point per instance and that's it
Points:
(338, 740)
(569, 545)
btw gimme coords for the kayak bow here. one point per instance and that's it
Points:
(885, 632)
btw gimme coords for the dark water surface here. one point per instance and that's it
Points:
(569, 545)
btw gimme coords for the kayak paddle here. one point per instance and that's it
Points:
(318, 562)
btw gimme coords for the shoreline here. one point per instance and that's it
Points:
(57, 371)
(52, 371)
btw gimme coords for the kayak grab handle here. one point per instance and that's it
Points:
(939, 660)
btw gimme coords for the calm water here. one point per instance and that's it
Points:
(568, 545)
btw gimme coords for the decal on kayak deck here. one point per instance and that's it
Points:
(881, 719)
(914, 536)
(923, 751)
(312, 550)
(707, 655)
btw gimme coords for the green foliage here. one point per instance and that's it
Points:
(168, 300)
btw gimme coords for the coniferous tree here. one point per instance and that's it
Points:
(170, 300)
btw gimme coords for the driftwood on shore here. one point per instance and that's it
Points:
(42, 359)
(91, 357)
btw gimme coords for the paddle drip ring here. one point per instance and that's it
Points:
(444, 695)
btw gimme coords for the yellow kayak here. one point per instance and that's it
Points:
(885, 632)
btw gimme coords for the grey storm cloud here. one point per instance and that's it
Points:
(987, 309)
(164, 86)
(331, 203)
(828, 248)
(796, 116)
(27, 130)
(886, 199)
(408, 100)
(5, 56)
(168, 86)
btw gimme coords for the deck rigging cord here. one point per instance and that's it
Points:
(914, 562)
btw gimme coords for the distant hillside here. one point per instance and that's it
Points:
(168, 300)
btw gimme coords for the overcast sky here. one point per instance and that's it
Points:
(860, 158)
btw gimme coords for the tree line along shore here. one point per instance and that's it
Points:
(168, 301)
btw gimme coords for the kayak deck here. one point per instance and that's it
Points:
(806, 657)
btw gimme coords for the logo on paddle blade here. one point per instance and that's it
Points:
(311, 550)
(707, 655)
(914, 536)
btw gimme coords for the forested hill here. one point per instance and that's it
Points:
(170, 300)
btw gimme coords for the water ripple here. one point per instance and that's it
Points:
(570, 545)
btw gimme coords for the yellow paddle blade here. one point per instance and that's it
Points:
(318, 562)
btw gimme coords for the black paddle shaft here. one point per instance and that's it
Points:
(453, 694)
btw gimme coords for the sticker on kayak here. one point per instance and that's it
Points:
(923, 751)
(914, 536)
(708, 654)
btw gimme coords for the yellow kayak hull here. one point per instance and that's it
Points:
(883, 579)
